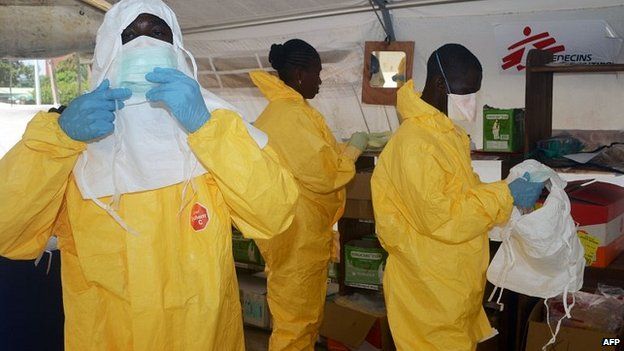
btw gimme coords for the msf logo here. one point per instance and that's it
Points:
(542, 41)
(610, 342)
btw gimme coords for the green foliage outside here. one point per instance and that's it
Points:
(19, 75)
(16, 74)
(67, 82)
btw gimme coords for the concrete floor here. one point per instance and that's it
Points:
(258, 340)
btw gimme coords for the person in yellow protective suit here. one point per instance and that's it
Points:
(297, 260)
(433, 214)
(149, 265)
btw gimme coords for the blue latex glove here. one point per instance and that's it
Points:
(181, 94)
(90, 116)
(525, 192)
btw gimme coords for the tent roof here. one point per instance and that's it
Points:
(40, 28)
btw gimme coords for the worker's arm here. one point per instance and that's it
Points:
(259, 191)
(34, 175)
(317, 165)
(442, 205)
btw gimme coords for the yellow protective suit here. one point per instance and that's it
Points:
(433, 215)
(297, 260)
(169, 288)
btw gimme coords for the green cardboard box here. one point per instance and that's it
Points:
(245, 250)
(365, 261)
(503, 129)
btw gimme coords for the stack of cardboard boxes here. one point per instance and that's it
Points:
(598, 209)
(348, 328)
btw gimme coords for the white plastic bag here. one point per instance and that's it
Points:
(540, 254)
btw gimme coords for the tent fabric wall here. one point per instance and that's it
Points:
(579, 104)
(339, 99)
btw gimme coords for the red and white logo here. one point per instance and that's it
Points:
(542, 41)
(199, 217)
(587, 42)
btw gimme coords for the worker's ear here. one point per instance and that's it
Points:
(440, 85)
(299, 75)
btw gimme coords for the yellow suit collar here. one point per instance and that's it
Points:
(410, 105)
(272, 87)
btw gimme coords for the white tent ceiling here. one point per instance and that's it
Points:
(45, 28)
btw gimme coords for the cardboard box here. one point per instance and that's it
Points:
(605, 255)
(245, 250)
(364, 262)
(359, 209)
(503, 129)
(568, 339)
(359, 204)
(252, 291)
(360, 188)
(598, 208)
(349, 329)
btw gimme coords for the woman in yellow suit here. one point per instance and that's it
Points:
(297, 260)
(172, 285)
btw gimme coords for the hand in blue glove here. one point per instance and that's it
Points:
(525, 192)
(90, 116)
(181, 94)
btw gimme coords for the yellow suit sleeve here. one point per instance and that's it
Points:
(449, 211)
(34, 176)
(259, 191)
(316, 164)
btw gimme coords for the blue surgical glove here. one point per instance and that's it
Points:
(181, 94)
(90, 116)
(525, 192)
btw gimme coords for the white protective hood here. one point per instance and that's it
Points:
(108, 43)
(148, 150)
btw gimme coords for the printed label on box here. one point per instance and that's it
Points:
(364, 265)
(498, 145)
(590, 244)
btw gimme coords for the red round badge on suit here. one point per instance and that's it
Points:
(199, 217)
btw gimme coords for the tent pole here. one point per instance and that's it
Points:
(102, 5)
(319, 14)
(37, 84)
(387, 19)
(53, 87)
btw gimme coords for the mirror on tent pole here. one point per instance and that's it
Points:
(387, 69)
(387, 66)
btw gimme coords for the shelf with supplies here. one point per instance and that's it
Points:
(358, 222)
(248, 266)
(246, 253)
(539, 92)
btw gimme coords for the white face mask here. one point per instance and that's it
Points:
(139, 57)
(460, 107)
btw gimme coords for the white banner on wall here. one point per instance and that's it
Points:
(571, 42)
